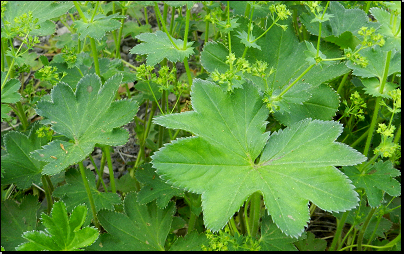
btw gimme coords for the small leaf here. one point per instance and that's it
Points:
(376, 180)
(158, 46)
(213, 57)
(190, 242)
(9, 93)
(372, 87)
(142, 227)
(59, 235)
(86, 118)
(247, 42)
(296, 165)
(154, 187)
(17, 218)
(19, 167)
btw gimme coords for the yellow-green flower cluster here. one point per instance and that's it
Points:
(356, 58)
(281, 11)
(370, 38)
(387, 147)
(48, 73)
(44, 131)
(314, 6)
(357, 106)
(217, 242)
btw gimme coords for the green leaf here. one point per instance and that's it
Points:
(376, 180)
(154, 187)
(272, 238)
(311, 243)
(372, 87)
(142, 227)
(213, 57)
(19, 167)
(99, 25)
(17, 218)
(247, 42)
(377, 62)
(74, 193)
(296, 165)
(158, 46)
(9, 93)
(87, 116)
(61, 232)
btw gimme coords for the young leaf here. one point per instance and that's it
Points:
(158, 46)
(17, 218)
(87, 116)
(61, 232)
(142, 227)
(387, 29)
(376, 180)
(247, 42)
(20, 168)
(154, 187)
(296, 165)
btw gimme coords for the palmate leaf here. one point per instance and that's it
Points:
(62, 232)
(87, 116)
(296, 165)
(158, 46)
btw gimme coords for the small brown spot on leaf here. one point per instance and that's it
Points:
(89, 89)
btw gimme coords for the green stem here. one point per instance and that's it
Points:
(377, 106)
(21, 115)
(48, 193)
(95, 57)
(89, 194)
(341, 84)
(191, 222)
(99, 172)
(337, 235)
(255, 209)
(163, 24)
(111, 170)
(189, 76)
(363, 229)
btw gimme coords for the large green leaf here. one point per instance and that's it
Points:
(62, 232)
(296, 165)
(158, 46)
(17, 218)
(376, 180)
(87, 116)
(20, 168)
(142, 227)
